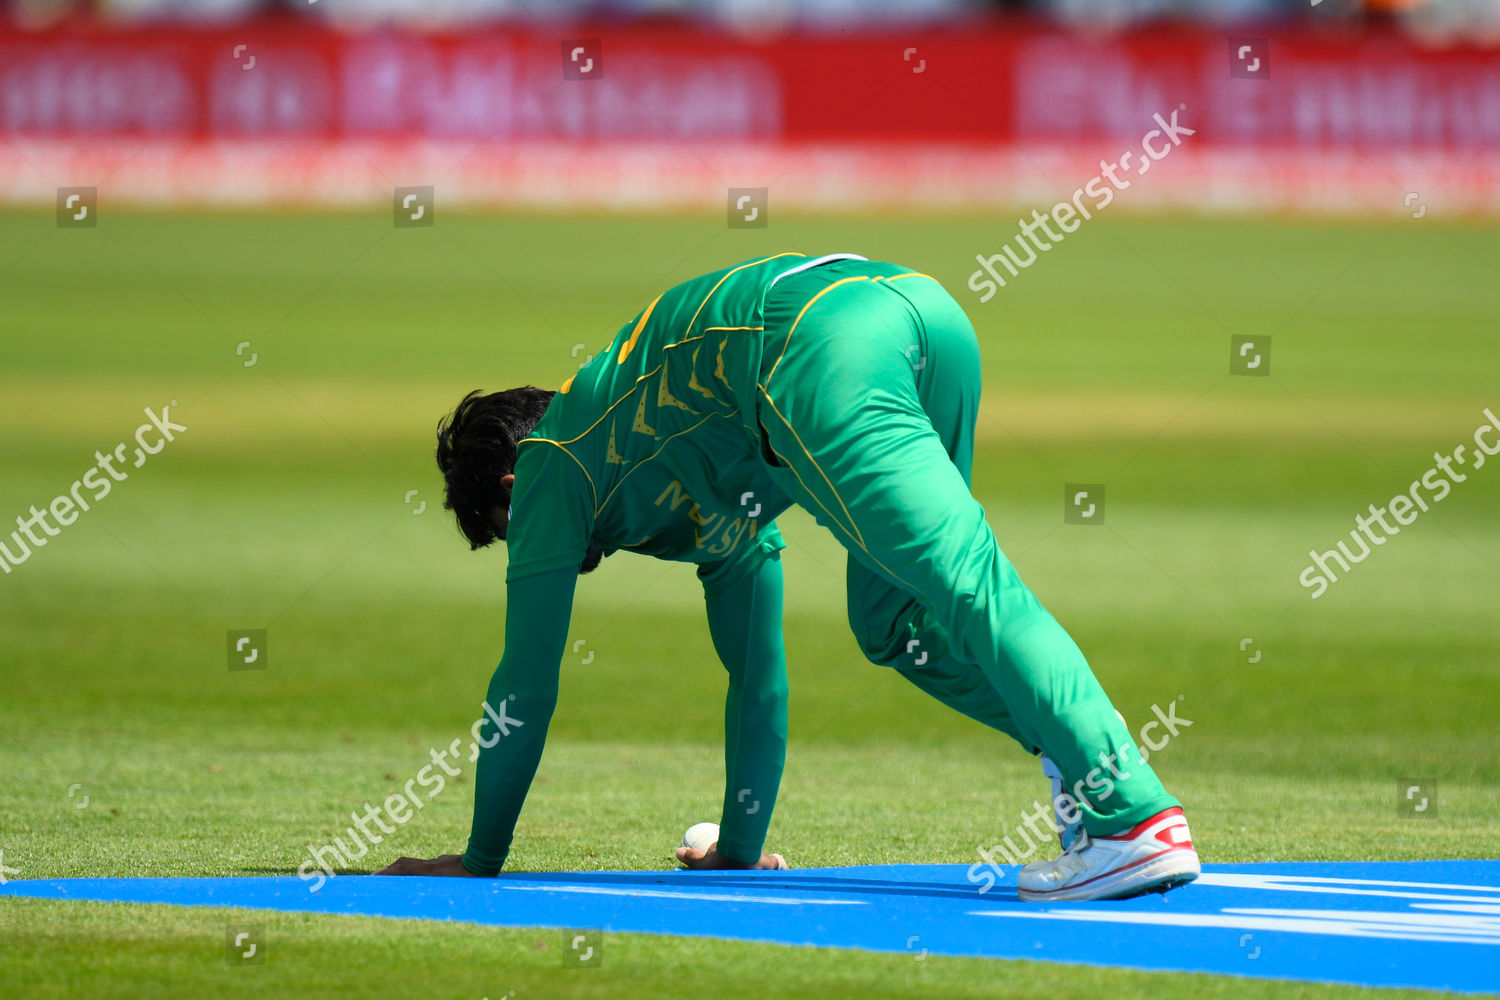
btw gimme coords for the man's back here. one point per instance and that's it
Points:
(653, 446)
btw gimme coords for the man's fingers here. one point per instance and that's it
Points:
(446, 865)
(712, 859)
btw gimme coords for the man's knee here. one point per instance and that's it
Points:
(908, 641)
(881, 645)
(895, 656)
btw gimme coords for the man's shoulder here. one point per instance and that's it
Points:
(543, 462)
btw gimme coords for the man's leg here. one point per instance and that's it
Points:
(891, 625)
(842, 409)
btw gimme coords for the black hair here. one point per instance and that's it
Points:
(476, 449)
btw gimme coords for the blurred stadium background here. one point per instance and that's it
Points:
(846, 103)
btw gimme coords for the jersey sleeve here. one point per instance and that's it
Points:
(744, 618)
(522, 693)
(551, 511)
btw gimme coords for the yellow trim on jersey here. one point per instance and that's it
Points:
(854, 528)
(664, 397)
(711, 329)
(727, 276)
(635, 334)
(636, 385)
(719, 368)
(592, 489)
(693, 382)
(612, 456)
(805, 308)
(793, 469)
(567, 385)
(686, 340)
(640, 426)
(599, 509)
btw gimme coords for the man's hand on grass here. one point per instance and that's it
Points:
(447, 864)
(712, 860)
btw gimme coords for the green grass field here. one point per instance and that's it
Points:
(283, 507)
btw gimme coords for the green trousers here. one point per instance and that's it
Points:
(869, 393)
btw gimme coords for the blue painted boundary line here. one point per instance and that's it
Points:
(1429, 924)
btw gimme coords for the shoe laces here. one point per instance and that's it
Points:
(1072, 860)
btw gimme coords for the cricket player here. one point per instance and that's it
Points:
(850, 387)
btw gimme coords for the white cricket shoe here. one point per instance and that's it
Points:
(1153, 856)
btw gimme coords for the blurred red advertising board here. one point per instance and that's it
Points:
(280, 110)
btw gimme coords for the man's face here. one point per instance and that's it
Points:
(500, 516)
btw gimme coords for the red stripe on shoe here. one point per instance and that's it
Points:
(1141, 827)
(1112, 871)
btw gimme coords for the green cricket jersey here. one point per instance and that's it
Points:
(652, 447)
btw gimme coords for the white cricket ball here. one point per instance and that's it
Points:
(701, 836)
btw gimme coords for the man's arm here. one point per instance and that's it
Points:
(536, 633)
(538, 609)
(744, 618)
